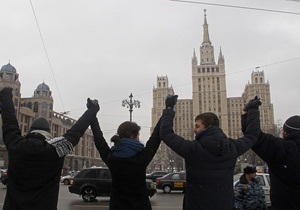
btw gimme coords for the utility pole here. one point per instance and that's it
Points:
(130, 104)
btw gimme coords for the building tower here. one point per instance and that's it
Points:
(162, 89)
(259, 87)
(209, 81)
(10, 78)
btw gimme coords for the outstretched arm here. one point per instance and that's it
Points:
(185, 148)
(10, 127)
(77, 130)
(100, 142)
(251, 133)
(64, 144)
(268, 147)
(250, 126)
(152, 144)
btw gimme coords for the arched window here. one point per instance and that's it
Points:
(36, 107)
(17, 92)
(29, 105)
(44, 105)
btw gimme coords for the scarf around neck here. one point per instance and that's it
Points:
(127, 148)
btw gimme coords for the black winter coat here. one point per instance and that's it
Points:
(34, 165)
(210, 161)
(283, 159)
(129, 191)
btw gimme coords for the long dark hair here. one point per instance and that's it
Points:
(126, 130)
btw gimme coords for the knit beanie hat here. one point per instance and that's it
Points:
(40, 124)
(250, 170)
(292, 124)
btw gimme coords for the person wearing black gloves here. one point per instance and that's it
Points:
(283, 158)
(210, 158)
(127, 161)
(36, 160)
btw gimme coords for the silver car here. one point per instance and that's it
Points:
(67, 179)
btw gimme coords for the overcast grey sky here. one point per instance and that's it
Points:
(107, 49)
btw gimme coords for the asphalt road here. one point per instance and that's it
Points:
(68, 201)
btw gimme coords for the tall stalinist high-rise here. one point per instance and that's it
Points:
(209, 95)
(209, 81)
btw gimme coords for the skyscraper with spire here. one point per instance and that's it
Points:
(209, 81)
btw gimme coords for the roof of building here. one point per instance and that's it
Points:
(43, 86)
(8, 67)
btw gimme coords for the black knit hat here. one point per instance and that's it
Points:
(292, 124)
(40, 124)
(250, 170)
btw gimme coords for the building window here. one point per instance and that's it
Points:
(44, 113)
(29, 105)
(36, 107)
(16, 102)
(44, 105)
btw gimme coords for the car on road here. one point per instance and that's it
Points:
(156, 174)
(172, 181)
(93, 182)
(263, 179)
(67, 179)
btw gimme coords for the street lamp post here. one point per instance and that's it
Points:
(130, 104)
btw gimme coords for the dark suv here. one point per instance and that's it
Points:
(93, 182)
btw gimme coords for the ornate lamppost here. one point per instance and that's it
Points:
(130, 104)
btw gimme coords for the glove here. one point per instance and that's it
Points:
(6, 93)
(93, 104)
(252, 104)
(171, 101)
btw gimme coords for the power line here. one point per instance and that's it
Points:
(249, 69)
(271, 64)
(237, 7)
(48, 59)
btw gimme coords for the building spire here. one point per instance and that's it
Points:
(221, 60)
(205, 30)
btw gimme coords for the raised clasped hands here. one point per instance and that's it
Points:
(252, 104)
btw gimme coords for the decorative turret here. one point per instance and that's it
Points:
(221, 60)
(43, 91)
(194, 59)
(9, 73)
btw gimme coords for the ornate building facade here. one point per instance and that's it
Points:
(40, 104)
(210, 95)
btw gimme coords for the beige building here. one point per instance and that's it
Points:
(210, 95)
(40, 104)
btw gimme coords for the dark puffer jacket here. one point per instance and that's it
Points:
(34, 165)
(210, 161)
(283, 159)
(129, 190)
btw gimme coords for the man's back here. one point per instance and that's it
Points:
(210, 161)
(33, 175)
(283, 158)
